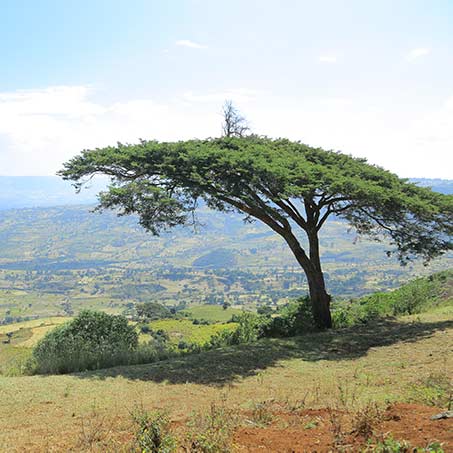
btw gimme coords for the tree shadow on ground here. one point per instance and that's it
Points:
(223, 366)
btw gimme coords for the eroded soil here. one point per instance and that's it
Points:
(327, 430)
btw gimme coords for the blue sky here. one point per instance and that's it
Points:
(370, 78)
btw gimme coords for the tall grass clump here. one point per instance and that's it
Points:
(212, 431)
(91, 340)
(153, 432)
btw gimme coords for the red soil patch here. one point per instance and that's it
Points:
(326, 431)
(412, 422)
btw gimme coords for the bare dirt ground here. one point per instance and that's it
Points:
(325, 430)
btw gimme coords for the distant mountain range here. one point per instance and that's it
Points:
(439, 185)
(45, 191)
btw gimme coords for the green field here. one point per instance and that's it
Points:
(185, 330)
(211, 313)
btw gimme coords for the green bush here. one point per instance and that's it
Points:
(391, 445)
(91, 340)
(183, 345)
(160, 335)
(152, 311)
(145, 329)
(294, 319)
(436, 389)
(414, 297)
(250, 328)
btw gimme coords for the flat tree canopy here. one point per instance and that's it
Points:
(291, 187)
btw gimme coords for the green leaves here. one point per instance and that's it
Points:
(285, 184)
(159, 207)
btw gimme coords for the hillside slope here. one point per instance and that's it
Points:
(303, 393)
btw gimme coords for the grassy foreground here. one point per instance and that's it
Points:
(403, 359)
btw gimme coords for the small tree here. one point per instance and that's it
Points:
(152, 311)
(292, 188)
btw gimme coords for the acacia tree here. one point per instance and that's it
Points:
(290, 187)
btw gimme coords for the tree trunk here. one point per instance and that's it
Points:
(320, 300)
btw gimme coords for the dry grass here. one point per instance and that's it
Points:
(35, 323)
(379, 363)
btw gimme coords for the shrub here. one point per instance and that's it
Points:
(160, 335)
(347, 314)
(200, 322)
(365, 420)
(144, 328)
(183, 345)
(212, 432)
(250, 328)
(391, 445)
(293, 319)
(434, 390)
(91, 340)
(261, 413)
(414, 297)
(194, 348)
(153, 432)
(265, 310)
(152, 311)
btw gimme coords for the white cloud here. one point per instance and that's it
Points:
(190, 44)
(40, 129)
(60, 100)
(409, 143)
(417, 53)
(331, 59)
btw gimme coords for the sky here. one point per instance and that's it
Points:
(372, 79)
